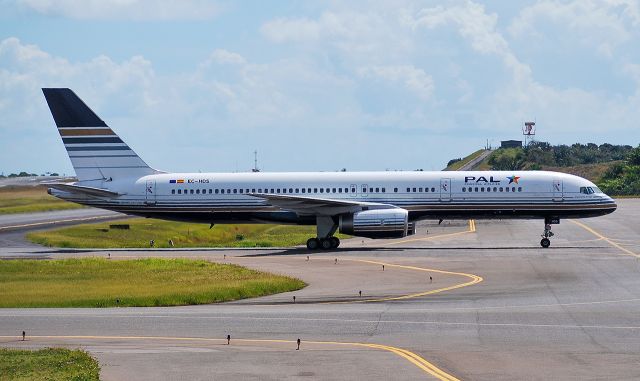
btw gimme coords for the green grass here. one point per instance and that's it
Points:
(97, 282)
(458, 164)
(183, 235)
(24, 199)
(47, 364)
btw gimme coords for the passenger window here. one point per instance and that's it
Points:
(272, 190)
(297, 190)
(513, 189)
(482, 189)
(179, 191)
(353, 190)
(339, 190)
(370, 190)
(235, 191)
(328, 190)
(216, 191)
(500, 189)
(308, 190)
(346, 190)
(433, 189)
(464, 189)
(495, 189)
(408, 190)
(377, 190)
(191, 191)
(284, 190)
(253, 190)
(240, 190)
(321, 190)
(506, 189)
(290, 190)
(395, 190)
(197, 191)
(173, 191)
(420, 190)
(315, 190)
(426, 189)
(334, 190)
(384, 190)
(519, 189)
(303, 190)
(414, 189)
(489, 189)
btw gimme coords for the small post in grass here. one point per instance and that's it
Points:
(228, 339)
(294, 299)
(297, 349)
(360, 293)
(24, 334)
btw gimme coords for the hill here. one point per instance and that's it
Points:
(614, 168)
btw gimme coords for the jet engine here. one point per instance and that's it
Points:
(377, 223)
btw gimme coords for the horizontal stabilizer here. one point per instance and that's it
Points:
(88, 191)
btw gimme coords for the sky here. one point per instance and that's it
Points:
(197, 85)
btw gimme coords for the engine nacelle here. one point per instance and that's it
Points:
(377, 223)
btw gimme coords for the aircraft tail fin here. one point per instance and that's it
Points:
(96, 152)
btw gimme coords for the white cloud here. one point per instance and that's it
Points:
(222, 56)
(414, 79)
(603, 24)
(140, 10)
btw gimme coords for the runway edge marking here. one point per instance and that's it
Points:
(607, 239)
(412, 357)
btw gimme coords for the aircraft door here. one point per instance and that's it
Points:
(364, 190)
(353, 190)
(445, 189)
(558, 190)
(150, 192)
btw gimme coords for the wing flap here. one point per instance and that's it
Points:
(318, 206)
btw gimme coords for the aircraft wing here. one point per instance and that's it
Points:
(79, 189)
(319, 206)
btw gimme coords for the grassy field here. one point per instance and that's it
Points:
(30, 199)
(47, 364)
(97, 282)
(143, 230)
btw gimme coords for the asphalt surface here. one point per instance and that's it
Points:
(497, 306)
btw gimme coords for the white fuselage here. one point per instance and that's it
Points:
(229, 197)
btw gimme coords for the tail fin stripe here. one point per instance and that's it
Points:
(101, 139)
(86, 132)
(99, 148)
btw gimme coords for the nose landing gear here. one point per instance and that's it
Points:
(545, 241)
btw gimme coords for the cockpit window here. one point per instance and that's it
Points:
(589, 190)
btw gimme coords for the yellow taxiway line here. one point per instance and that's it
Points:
(604, 238)
(54, 222)
(412, 357)
(475, 279)
(472, 229)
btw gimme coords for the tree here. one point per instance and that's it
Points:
(634, 156)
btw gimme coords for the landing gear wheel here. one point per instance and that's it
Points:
(335, 242)
(326, 244)
(313, 243)
(545, 242)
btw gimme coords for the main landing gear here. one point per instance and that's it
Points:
(545, 242)
(325, 227)
(323, 243)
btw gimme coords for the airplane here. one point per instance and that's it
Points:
(364, 204)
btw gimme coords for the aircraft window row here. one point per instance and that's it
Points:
(416, 189)
(276, 190)
(489, 189)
